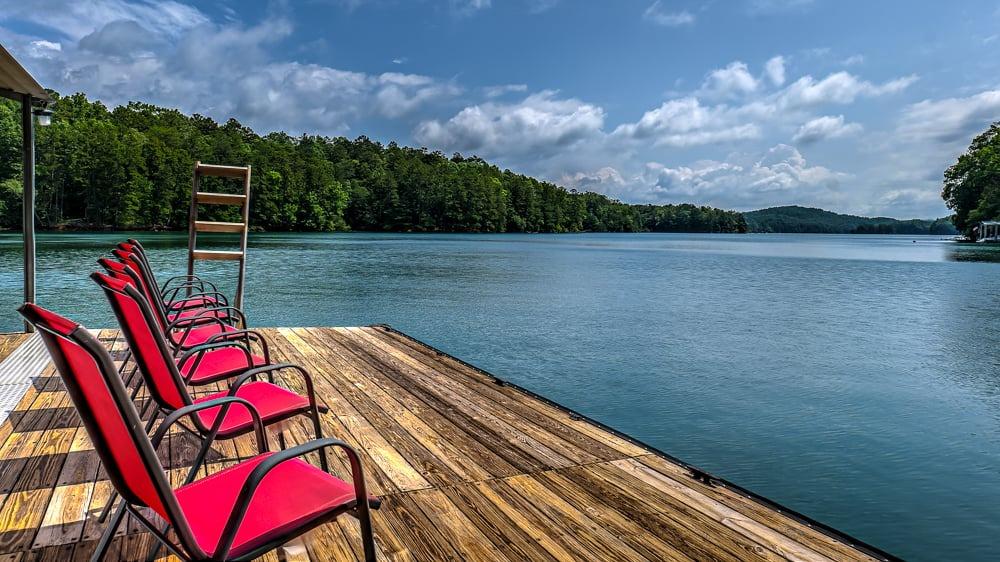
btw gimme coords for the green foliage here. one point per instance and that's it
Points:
(805, 219)
(972, 185)
(130, 168)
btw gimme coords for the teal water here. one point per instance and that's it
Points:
(852, 378)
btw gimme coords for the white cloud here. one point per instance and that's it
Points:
(687, 122)
(907, 203)
(606, 180)
(853, 60)
(44, 49)
(950, 120)
(826, 127)
(656, 14)
(202, 70)
(77, 19)
(780, 176)
(837, 88)
(540, 125)
(504, 89)
(732, 81)
(701, 118)
(775, 70)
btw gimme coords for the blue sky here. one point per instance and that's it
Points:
(852, 106)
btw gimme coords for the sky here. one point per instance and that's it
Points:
(852, 106)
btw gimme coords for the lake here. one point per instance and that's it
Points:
(853, 378)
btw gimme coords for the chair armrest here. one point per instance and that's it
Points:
(187, 278)
(260, 472)
(252, 373)
(206, 316)
(247, 335)
(220, 299)
(225, 403)
(188, 326)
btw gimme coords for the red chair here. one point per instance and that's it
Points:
(171, 290)
(167, 379)
(194, 309)
(183, 333)
(238, 513)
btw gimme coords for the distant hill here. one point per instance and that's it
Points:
(805, 219)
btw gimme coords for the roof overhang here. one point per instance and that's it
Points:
(15, 81)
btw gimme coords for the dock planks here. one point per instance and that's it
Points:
(468, 467)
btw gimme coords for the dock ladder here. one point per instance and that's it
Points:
(195, 226)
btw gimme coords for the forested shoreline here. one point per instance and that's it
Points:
(796, 219)
(131, 167)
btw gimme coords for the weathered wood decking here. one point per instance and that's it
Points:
(469, 469)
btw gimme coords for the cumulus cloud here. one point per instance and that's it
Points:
(709, 116)
(780, 176)
(731, 81)
(908, 203)
(687, 122)
(837, 88)
(504, 89)
(77, 19)
(541, 125)
(826, 127)
(775, 70)
(606, 180)
(951, 119)
(656, 14)
(201, 68)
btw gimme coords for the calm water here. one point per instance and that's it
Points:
(855, 379)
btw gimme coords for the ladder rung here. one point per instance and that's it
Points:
(220, 198)
(210, 226)
(222, 171)
(216, 255)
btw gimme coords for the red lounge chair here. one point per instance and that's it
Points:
(167, 379)
(183, 333)
(171, 290)
(238, 513)
(195, 310)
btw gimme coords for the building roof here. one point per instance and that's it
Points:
(14, 78)
(990, 223)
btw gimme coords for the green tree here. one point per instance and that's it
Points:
(972, 184)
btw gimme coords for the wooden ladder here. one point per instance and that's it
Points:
(195, 226)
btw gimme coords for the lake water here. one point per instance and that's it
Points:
(853, 378)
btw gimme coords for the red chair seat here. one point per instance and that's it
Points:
(194, 302)
(191, 312)
(200, 335)
(219, 364)
(292, 495)
(272, 402)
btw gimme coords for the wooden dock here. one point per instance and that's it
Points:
(469, 468)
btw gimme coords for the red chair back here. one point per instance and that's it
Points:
(145, 339)
(112, 423)
(147, 284)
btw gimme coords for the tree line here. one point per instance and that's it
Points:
(972, 184)
(796, 219)
(130, 168)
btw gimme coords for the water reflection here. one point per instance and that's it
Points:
(966, 251)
